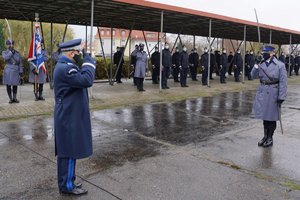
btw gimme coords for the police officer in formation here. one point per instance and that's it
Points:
(183, 66)
(218, 59)
(141, 66)
(155, 61)
(38, 78)
(249, 62)
(230, 63)
(223, 66)
(204, 64)
(237, 65)
(166, 64)
(175, 64)
(194, 62)
(72, 123)
(118, 58)
(133, 62)
(13, 71)
(297, 64)
(270, 94)
(282, 57)
(212, 64)
(289, 63)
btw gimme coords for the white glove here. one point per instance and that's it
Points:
(256, 66)
(180, 67)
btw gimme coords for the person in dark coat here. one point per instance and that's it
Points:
(118, 58)
(282, 57)
(72, 123)
(297, 64)
(183, 66)
(230, 63)
(175, 64)
(218, 59)
(247, 72)
(204, 64)
(270, 94)
(289, 61)
(237, 65)
(141, 66)
(155, 61)
(212, 64)
(40, 78)
(133, 62)
(13, 71)
(223, 66)
(194, 62)
(249, 65)
(166, 64)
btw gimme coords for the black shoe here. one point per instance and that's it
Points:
(75, 191)
(211, 78)
(167, 87)
(223, 82)
(41, 98)
(195, 79)
(119, 82)
(10, 101)
(262, 141)
(186, 86)
(142, 90)
(268, 142)
(204, 84)
(176, 81)
(16, 101)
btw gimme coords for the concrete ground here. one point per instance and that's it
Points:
(182, 143)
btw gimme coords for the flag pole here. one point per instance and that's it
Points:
(35, 76)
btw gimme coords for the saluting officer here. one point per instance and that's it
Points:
(183, 66)
(117, 57)
(175, 64)
(155, 57)
(237, 65)
(270, 93)
(223, 66)
(166, 63)
(13, 71)
(72, 123)
(204, 64)
(141, 67)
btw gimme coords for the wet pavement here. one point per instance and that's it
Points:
(200, 148)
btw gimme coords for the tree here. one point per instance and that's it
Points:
(22, 34)
(2, 40)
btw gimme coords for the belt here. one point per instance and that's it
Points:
(269, 82)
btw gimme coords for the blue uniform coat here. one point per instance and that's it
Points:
(265, 106)
(73, 135)
(13, 67)
(141, 64)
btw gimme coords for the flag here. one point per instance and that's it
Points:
(35, 56)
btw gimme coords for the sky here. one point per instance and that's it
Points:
(279, 13)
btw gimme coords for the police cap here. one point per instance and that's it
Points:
(71, 45)
(268, 48)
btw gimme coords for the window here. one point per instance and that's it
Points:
(123, 33)
(107, 32)
(102, 32)
(114, 33)
(150, 35)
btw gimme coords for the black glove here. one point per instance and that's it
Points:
(21, 81)
(280, 101)
(259, 59)
(35, 72)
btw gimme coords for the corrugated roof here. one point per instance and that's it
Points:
(145, 16)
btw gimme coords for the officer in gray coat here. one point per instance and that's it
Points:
(72, 123)
(141, 67)
(270, 93)
(13, 71)
(184, 66)
(41, 78)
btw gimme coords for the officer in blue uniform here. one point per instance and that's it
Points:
(13, 71)
(117, 57)
(237, 65)
(223, 66)
(184, 66)
(249, 65)
(270, 94)
(155, 57)
(204, 64)
(73, 136)
(41, 78)
(166, 64)
(175, 64)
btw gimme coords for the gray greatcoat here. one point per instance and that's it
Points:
(41, 77)
(141, 64)
(13, 67)
(265, 106)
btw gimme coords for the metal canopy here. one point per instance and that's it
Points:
(145, 16)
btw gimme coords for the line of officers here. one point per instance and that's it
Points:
(180, 64)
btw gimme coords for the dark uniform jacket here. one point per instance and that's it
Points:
(72, 124)
(204, 60)
(184, 59)
(238, 60)
(223, 60)
(166, 58)
(175, 59)
(117, 57)
(155, 57)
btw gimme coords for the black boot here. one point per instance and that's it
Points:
(8, 90)
(10, 98)
(36, 96)
(262, 141)
(15, 100)
(269, 140)
(41, 92)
